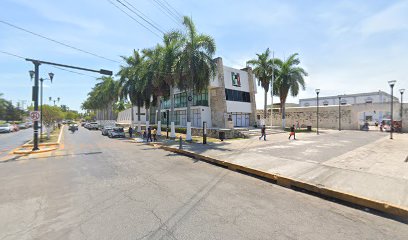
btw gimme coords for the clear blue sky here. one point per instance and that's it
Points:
(346, 46)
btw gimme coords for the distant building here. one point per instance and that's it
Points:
(358, 98)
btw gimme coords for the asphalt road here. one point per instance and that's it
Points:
(9, 141)
(100, 188)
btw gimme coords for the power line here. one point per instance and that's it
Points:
(141, 13)
(71, 71)
(148, 22)
(134, 19)
(67, 70)
(12, 54)
(58, 42)
(175, 11)
(163, 10)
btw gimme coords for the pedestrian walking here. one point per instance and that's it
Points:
(154, 134)
(292, 132)
(144, 135)
(263, 133)
(149, 135)
(130, 131)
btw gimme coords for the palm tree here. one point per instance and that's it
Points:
(196, 66)
(171, 50)
(150, 78)
(263, 67)
(129, 83)
(102, 97)
(289, 77)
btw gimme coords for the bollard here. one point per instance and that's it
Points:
(181, 143)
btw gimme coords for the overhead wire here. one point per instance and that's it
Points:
(67, 70)
(134, 19)
(56, 41)
(144, 15)
(164, 10)
(175, 10)
(148, 22)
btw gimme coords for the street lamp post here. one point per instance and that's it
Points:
(317, 101)
(392, 84)
(402, 93)
(51, 75)
(339, 114)
(35, 74)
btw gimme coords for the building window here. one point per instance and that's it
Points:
(237, 96)
(240, 119)
(180, 100)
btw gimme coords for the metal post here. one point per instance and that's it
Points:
(168, 119)
(339, 115)
(204, 132)
(392, 109)
(401, 109)
(35, 94)
(41, 110)
(181, 143)
(317, 124)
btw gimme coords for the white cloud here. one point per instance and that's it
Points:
(395, 17)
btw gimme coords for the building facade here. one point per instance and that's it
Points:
(229, 99)
(359, 98)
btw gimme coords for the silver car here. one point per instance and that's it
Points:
(6, 128)
(105, 130)
(117, 132)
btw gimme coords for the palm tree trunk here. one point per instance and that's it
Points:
(139, 127)
(158, 116)
(131, 118)
(265, 104)
(171, 117)
(188, 133)
(283, 100)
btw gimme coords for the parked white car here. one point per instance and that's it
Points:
(6, 128)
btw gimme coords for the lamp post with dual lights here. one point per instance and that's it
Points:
(392, 84)
(317, 101)
(54, 100)
(51, 75)
(402, 93)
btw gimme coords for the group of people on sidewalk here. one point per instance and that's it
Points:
(292, 133)
(149, 135)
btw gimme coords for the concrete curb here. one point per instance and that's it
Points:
(289, 182)
(29, 151)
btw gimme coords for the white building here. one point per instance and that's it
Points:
(359, 98)
(230, 96)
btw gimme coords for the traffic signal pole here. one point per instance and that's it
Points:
(37, 64)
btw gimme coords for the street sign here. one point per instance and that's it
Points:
(190, 98)
(35, 115)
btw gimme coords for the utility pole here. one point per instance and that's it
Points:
(36, 73)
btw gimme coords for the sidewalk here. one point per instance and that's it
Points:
(364, 168)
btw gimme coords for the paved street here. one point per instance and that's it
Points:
(100, 188)
(9, 141)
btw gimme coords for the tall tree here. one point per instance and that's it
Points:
(171, 50)
(289, 78)
(195, 66)
(130, 83)
(262, 68)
